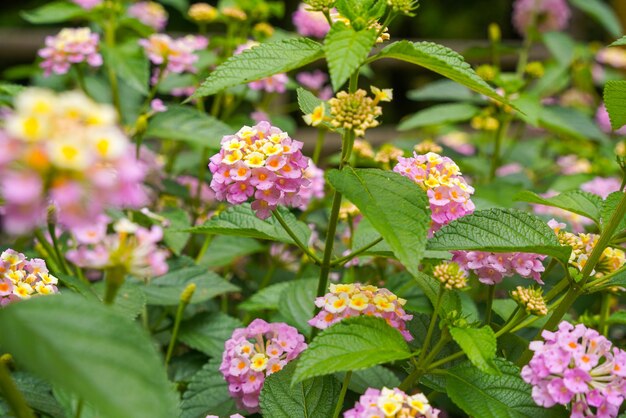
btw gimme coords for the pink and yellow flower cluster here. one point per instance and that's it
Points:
(21, 278)
(448, 192)
(577, 367)
(391, 403)
(263, 163)
(173, 55)
(70, 46)
(491, 268)
(255, 352)
(348, 300)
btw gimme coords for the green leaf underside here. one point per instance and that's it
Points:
(311, 398)
(575, 201)
(207, 393)
(571, 122)
(394, 205)
(439, 114)
(91, 350)
(479, 344)
(346, 49)
(259, 62)
(352, 344)
(500, 230)
(208, 331)
(615, 101)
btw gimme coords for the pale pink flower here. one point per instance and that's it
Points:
(68, 47)
(149, 13)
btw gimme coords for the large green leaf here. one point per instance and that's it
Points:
(307, 101)
(441, 60)
(207, 394)
(37, 393)
(313, 398)
(259, 62)
(54, 12)
(346, 49)
(479, 345)
(208, 331)
(241, 221)
(500, 230)
(439, 114)
(602, 13)
(181, 123)
(615, 101)
(297, 303)
(489, 396)
(352, 344)
(395, 206)
(608, 208)
(131, 65)
(576, 201)
(224, 249)
(92, 350)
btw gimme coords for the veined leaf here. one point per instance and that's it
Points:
(608, 208)
(479, 344)
(268, 298)
(575, 201)
(439, 114)
(346, 49)
(207, 394)
(615, 101)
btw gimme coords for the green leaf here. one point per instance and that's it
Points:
(267, 298)
(181, 5)
(360, 11)
(241, 221)
(441, 60)
(311, 398)
(500, 230)
(615, 101)
(166, 289)
(307, 101)
(38, 394)
(571, 122)
(129, 301)
(259, 62)
(376, 377)
(207, 394)
(225, 249)
(352, 344)
(561, 46)
(575, 201)
(346, 49)
(618, 318)
(297, 303)
(443, 90)
(53, 12)
(489, 396)
(608, 207)
(91, 350)
(181, 123)
(439, 114)
(602, 13)
(208, 331)
(395, 206)
(621, 41)
(178, 219)
(131, 65)
(479, 345)
(430, 287)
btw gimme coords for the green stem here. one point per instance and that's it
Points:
(605, 311)
(321, 133)
(437, 348)
(355, 253)
(12, 394)
(57, 249)
(268, 275)
(328, 246)
(295, 238)
(50, 252)
(342, 394)
(79, 408)
(205, 246)
(448, 359)
(114, 279)
(185, 298)
(489, 307)
(431, 326)
(109, 37)
(500, 133)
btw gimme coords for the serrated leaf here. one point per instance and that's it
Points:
(571, 122)
(131, 65)
(602, 13)
(479, 345)
(352, 344)
(443, 90)
(208, 331)
(312, 398)
(575, 201)
(397, 207)
(91, 350)
(376, 377)
(499, 230)
(207, 394)
(297, 303)
(439, 114)
(267, 298)
(608, 208)
(615, 102)
(181, 123)
(346, 49)
(53, 12)
(166, 289)
(489, 396)
(441, 60)
(241, 221)
(259, 62)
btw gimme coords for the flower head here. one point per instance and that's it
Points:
(355, 111)
(549, 15)
(255, 352)
(392, 403)
(309, 22)
(451, 275)
(149, 13)
(577, 367)
(21, 278)
(348, 300)
(531, 300)
(491, 268)
(70, 46)
(177, 55)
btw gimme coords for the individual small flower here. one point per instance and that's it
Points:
(391, 403)
(21, 278)
(87, 4)
(579, 368)
(131, 247)
(531, 300)
(602, 186)
(175, 55)
(70, 46)
(448, 192)
(255, 352)
(348, 210)
(276, 83)
(549, 15)
(157, 106)
(310, 23)
(261, 163)
(355, 111)
(450, 275)
(149, 13)
(202, 13)
(604, 122)
(348, 300)
(571, 164)
(316, 117)
(491, 268)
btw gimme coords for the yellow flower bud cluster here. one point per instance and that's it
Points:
(450, 275)
(531, 300)
(202, 13)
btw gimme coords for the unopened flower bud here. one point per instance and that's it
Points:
(187, 294)
(534, 69)
(51, 214)
(451, 275)
(403, 6)
(494, 33)
(531, 300)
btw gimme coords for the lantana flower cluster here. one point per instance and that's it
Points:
(64, 149)
(21, 278)
(70, 46)
(175, 55)
(491, 268)
(448, 192)
(263, 163)
(149, 13)
(577, 367)
(255, 352)
(392, 403)
(309, 22)
(355, 299)
(131, 247)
